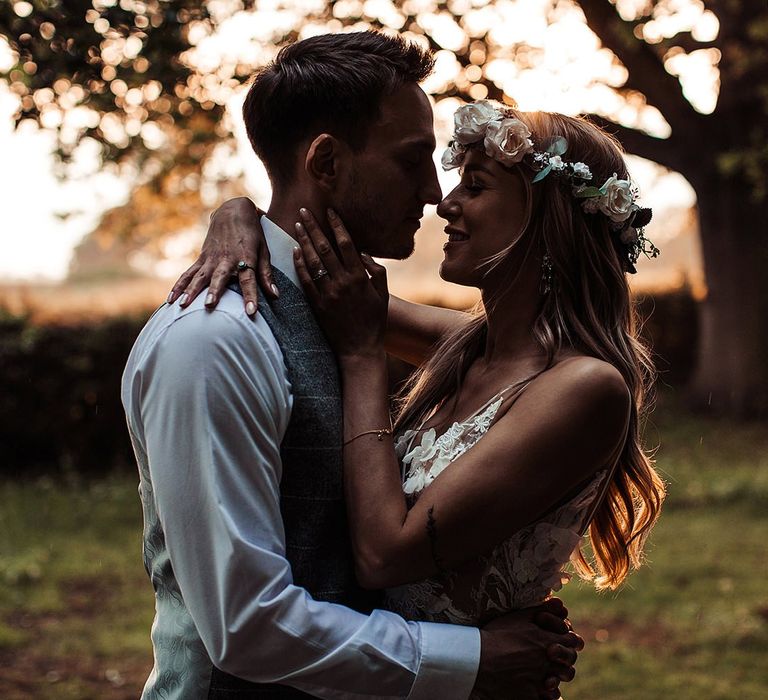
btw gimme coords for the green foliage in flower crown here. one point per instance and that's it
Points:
(555, 146)
(584, 192)
(542, 174)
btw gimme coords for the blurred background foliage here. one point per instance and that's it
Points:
(60, 409)
(134, 77)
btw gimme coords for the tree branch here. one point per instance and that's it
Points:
(685, 41)
(636, 142)
(646, 70)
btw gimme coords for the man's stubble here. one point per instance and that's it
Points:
(365, 216)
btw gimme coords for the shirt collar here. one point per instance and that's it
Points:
(281, 247)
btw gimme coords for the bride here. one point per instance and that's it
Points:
(520, 431)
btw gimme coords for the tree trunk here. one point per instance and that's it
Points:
(731, 375)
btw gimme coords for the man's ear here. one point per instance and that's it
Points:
(323, 160)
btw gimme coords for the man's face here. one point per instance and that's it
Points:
(382, 199)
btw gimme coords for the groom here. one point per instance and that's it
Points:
(236, 424)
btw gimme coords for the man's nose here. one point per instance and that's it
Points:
(431, 192)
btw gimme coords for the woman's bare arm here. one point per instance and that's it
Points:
(413, 329)
(563, 429)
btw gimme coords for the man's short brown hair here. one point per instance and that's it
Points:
(331, 83)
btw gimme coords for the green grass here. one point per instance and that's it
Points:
(75, 603)
(693, 623)
(76, 606)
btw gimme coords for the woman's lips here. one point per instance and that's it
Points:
(454, 236)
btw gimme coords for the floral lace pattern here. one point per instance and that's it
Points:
(433, 454)
(519, 572)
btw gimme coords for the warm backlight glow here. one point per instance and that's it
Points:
(555, 65)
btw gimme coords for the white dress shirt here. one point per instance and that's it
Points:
(208, 400)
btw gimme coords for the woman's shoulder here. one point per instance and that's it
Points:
(574, 415)
(590, 374)
(581, 385)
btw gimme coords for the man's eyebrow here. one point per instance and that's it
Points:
(420, 143)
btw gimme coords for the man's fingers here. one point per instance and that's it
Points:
(551, 689)
(552, 683)
(564, 673)
(574, 640)
(560, 654)
(555, 606)
(181, 284)
(551, 623)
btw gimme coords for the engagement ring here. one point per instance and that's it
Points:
(320, 273)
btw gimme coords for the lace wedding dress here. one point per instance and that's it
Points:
(519, 572)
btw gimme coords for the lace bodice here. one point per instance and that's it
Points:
(520, 571)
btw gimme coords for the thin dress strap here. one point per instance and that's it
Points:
(498, 395)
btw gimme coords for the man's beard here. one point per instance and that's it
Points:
(362, 215)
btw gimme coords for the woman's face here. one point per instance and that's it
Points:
(486, 213)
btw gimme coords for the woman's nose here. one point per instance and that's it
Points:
(449, 208)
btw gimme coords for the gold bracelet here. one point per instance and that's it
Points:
(379, 432)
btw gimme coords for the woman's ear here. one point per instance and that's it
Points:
(322, 160)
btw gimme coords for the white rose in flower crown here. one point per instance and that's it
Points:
(453, 156)
(470, 121)
(617, 202)
(507, 141)
(556, 162)
(582, 170)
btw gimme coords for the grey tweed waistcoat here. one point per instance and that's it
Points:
(316, 532)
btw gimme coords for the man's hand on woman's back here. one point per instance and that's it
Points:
(525, 654)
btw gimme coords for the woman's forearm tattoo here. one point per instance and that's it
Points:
(432, 534)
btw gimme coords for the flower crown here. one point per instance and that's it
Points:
(508, 140)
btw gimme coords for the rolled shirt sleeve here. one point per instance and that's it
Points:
(210, 402)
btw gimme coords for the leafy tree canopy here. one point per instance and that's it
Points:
(131, 74)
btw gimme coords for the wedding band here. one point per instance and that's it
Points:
(320, 273)
(242, 266)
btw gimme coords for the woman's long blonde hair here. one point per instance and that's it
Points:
(589, 309)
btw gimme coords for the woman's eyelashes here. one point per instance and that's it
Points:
(473, 185)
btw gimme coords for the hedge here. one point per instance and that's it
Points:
(60, 408)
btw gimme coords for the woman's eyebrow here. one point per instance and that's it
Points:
(475, 167)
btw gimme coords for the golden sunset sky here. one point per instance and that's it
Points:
(573, 74)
